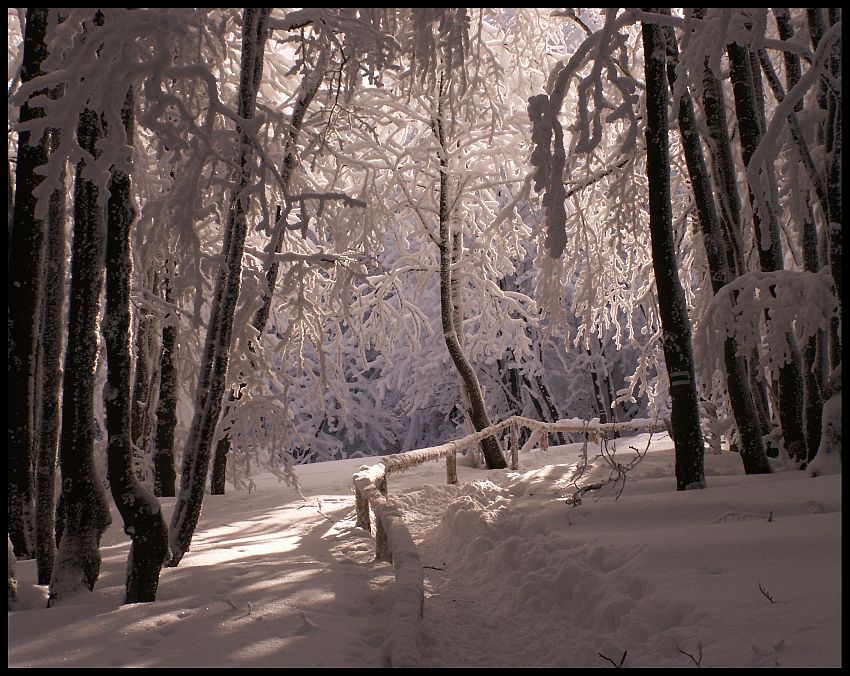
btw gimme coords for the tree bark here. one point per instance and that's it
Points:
(85, 514)
(490, 446)
(139, 509)
(675, 323)
(51, 338)
(141, 422)
(25, 261)
(211, 384)
(767, 242)
(740, 397)
(164, 474)
(309, 88)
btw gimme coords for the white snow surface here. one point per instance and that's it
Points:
(514, 576)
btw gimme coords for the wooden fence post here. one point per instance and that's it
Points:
(514, 446)
(382, 547)
(451, 467)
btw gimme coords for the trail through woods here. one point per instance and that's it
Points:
(513, 575)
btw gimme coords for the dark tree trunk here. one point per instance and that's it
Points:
(141, 422)
(490, 446)
(26, 260)
(675, 323)
(211, 383)
(85, 514)
(740, 396)
(164, 474)
(51, 338)
(833, 188)
(767, 241)
(309, 88)
(140, 510)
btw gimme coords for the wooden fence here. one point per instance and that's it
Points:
(393, 541)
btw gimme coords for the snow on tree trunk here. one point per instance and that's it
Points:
(309, 88)
(140, 510)
(740, 396)
(211, 383)
(50, 387)
(25, 262)
(813, 352)
(490, 446)
(164, 474)
(729, 213)
(828, 458)
(141, 422)
(85, 514)
(675, 323)
(767, 242)
(833, 189)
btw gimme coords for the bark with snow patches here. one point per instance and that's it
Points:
(678, 356)
(212, 379)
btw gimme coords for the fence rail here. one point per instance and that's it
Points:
(393, 542)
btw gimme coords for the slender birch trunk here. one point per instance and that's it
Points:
(490, 446)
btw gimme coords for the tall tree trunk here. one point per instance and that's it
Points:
(51, 339)
(164, 474)
(817, 28)
(833, 189)
(139, 509)
(740, 397)
(211, 383)
(26, 260)
(309, 88)
(684, 416)
(141, 422)
(85, 514)
(814, 365)
(490, 446)
(767, 241)
(729, 212)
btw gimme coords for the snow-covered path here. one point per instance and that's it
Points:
(514, 576)
(270, 580)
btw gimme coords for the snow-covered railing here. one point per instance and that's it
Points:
(393, 541)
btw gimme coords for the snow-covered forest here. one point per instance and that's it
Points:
(248, 244)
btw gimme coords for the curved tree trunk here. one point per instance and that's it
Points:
(490, 446)
(139, 509)
(684, 417)
(211, 383)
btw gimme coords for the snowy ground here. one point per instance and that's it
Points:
(514, 576)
